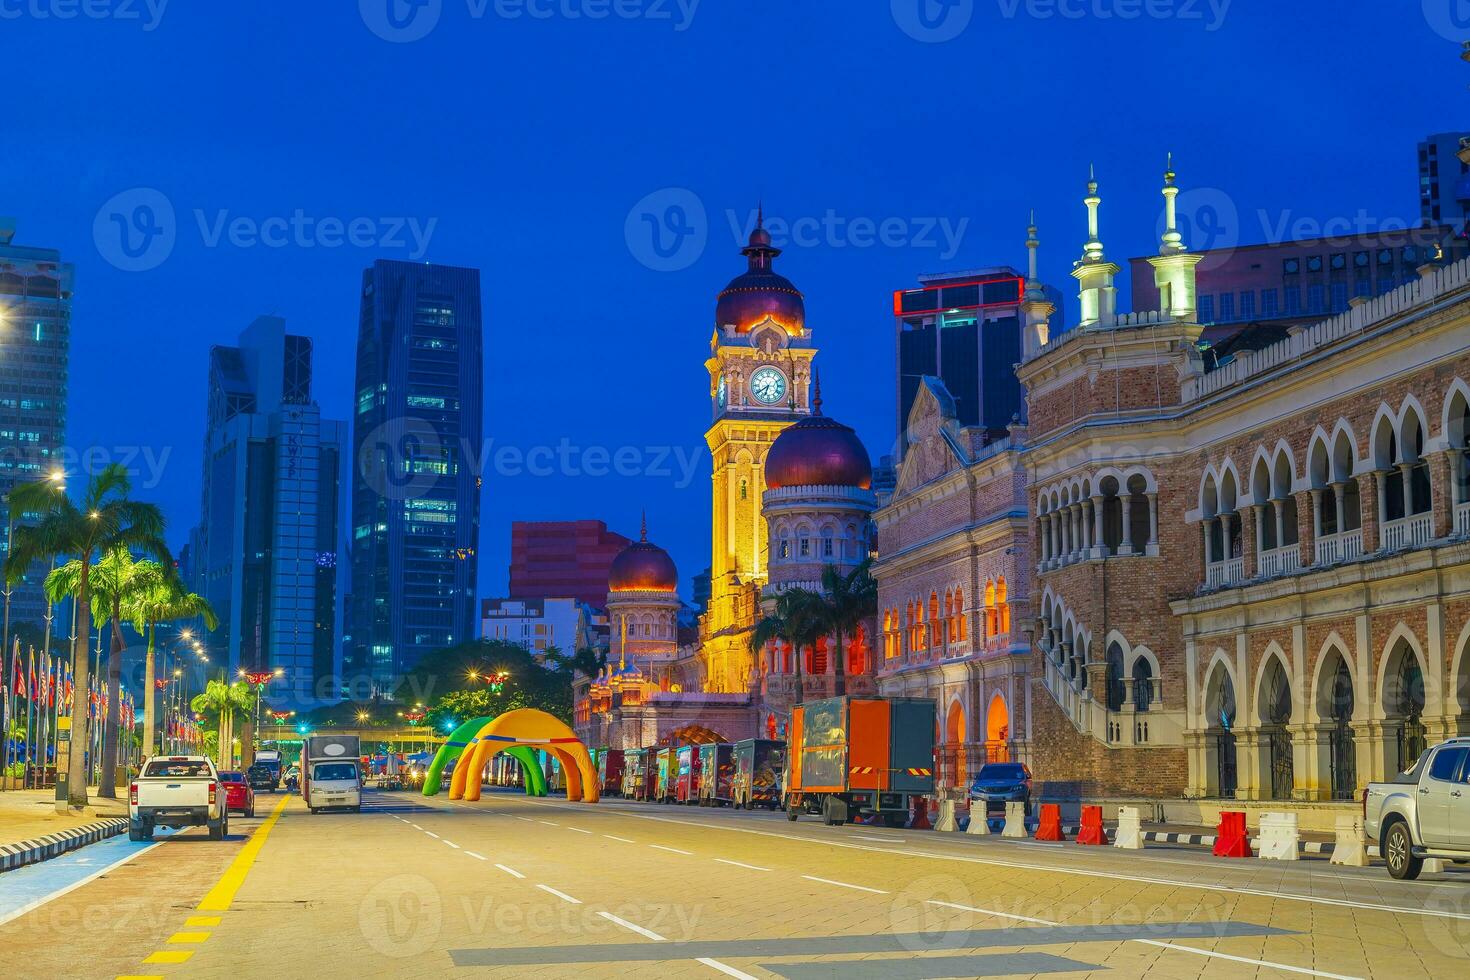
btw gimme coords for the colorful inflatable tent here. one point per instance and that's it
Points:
(533, 729)
(463, 737)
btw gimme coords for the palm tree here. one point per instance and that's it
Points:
(160, 598)
(103, 520)
(796, 620)
(225, 700)
(843, 604)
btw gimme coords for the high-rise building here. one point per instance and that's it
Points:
(538, 625)
(963, 327)
(1444, 182)
(562, 558)
(415, 489)
(265, 550)
(35, 338)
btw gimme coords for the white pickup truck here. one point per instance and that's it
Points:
(177, 791)
(1425, 813)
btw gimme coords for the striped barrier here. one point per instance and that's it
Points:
(47, 846)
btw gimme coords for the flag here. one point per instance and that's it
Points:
(51, 667)
(70, 687)
(20, 679)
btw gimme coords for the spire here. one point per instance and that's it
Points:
(1172, 241)
(1031, 244)
(759, 252)
(1093, 272)
(1093, 250)
(816, 391)
(1036, 309)
(643, 530)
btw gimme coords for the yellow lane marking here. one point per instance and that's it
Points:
(202, 920)
(223, 893)
(170, 956)
(187, 938)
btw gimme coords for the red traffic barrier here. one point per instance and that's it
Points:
(1230, 837)
(1091, 831)
(1050, 827)
(921, 815)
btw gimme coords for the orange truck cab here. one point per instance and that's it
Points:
(852, 756)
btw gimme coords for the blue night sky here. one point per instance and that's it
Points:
(529, 144)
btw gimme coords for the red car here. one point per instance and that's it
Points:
(239, 797)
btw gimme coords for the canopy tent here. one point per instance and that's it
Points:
(463, 737)
(533, 729)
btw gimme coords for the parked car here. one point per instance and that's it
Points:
(177, 791)
(239, 796)
(261, 777)
(999, 783)
(1424, 813)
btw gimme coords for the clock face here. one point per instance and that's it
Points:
(768, 385)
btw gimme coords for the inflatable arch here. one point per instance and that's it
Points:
(533, 729)
(463, 737)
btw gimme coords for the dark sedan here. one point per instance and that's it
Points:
(260, 777)
(999, 783)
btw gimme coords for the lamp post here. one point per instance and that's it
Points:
(257, 679)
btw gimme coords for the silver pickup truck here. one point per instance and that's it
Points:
(1425, 813)
(177, 791)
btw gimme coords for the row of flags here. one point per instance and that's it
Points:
(54, 682)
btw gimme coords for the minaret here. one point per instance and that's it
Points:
(1093, 272)
(1036, 309)
(1174, 271)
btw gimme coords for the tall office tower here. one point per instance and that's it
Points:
(963, 327)
(35, 332)
(265, 551)
(550, 559)
(1444, 182)
(415, 489)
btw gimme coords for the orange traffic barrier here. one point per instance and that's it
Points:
(921, 815)
(1050, 827)
(1091, 831)
(1230, 837)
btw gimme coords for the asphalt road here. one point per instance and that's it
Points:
(511, 887)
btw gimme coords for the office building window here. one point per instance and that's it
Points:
(1315, 297)
(1207, 309)
(1293, 301)
(1314, 263)
(1227, 306)
(1339, 297)
(1291, 267)
(1247, 304)
(1269, 303)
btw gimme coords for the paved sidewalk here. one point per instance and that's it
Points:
(29, 814)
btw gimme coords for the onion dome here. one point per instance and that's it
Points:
(818, 452)
(760, 293)
(643, 567)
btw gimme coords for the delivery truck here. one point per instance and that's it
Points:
(610, 763)
(760, 765)
(635, 774)
(686, 786)
(853, 756)
(666, 774)
(331, 772)
(716, 773)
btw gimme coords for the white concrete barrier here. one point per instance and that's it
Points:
(979, 818)
(1129, 834)
(1279, 837)
(946, 819)
(1432, 866)
(1351, 847)
(1015, 820)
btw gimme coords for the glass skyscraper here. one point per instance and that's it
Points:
(35, 340)
(417, 427)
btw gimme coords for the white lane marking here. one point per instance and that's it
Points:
(631, 927)
(549, 823)
(415, 826)
(881, 840)
(510, 871)
(561, 895)
(1162, 945)
(843, 884)
(527, 819)
(432, 834)
(37, 903)
(740, 865)
(1054, 869)
(674, 850)
(580, 830)
(623, 839)
(724, 968)
(451, 844)
(477, 857)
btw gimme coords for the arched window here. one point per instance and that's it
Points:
(1143, 684)
(827, 551)
(961, 632)
(1002, 606)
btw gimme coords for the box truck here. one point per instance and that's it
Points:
(331, 772)
(716, 773)
(853, 756)
(760, 765)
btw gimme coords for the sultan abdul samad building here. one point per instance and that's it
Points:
(791, 493)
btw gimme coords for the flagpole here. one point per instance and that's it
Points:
(11, 697)
(30, 713)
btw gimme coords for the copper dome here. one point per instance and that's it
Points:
(643, 567)
(818, 452)
(760, 293)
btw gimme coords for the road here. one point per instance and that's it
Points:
(513, 887)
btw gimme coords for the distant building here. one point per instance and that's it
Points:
(562, 558)
(1444, 182)
(539, 624)
(1301, 282)
(265, 550)
(965, 328)
(35, 338)
(417, 430)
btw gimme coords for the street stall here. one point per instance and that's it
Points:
(759, 765)
(716, 772)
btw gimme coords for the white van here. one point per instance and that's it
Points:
(336, 783)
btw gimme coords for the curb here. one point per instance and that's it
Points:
(39, 849)
(1198, 840)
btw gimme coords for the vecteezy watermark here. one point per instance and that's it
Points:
(145, 465)
(667, 230)
(1450, 19)
(932, 21)
(404, 21)
(147, 13)
(1209, 13)
(401, 916)
(137, 230)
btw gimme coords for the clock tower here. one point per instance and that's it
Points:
(760, 377)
